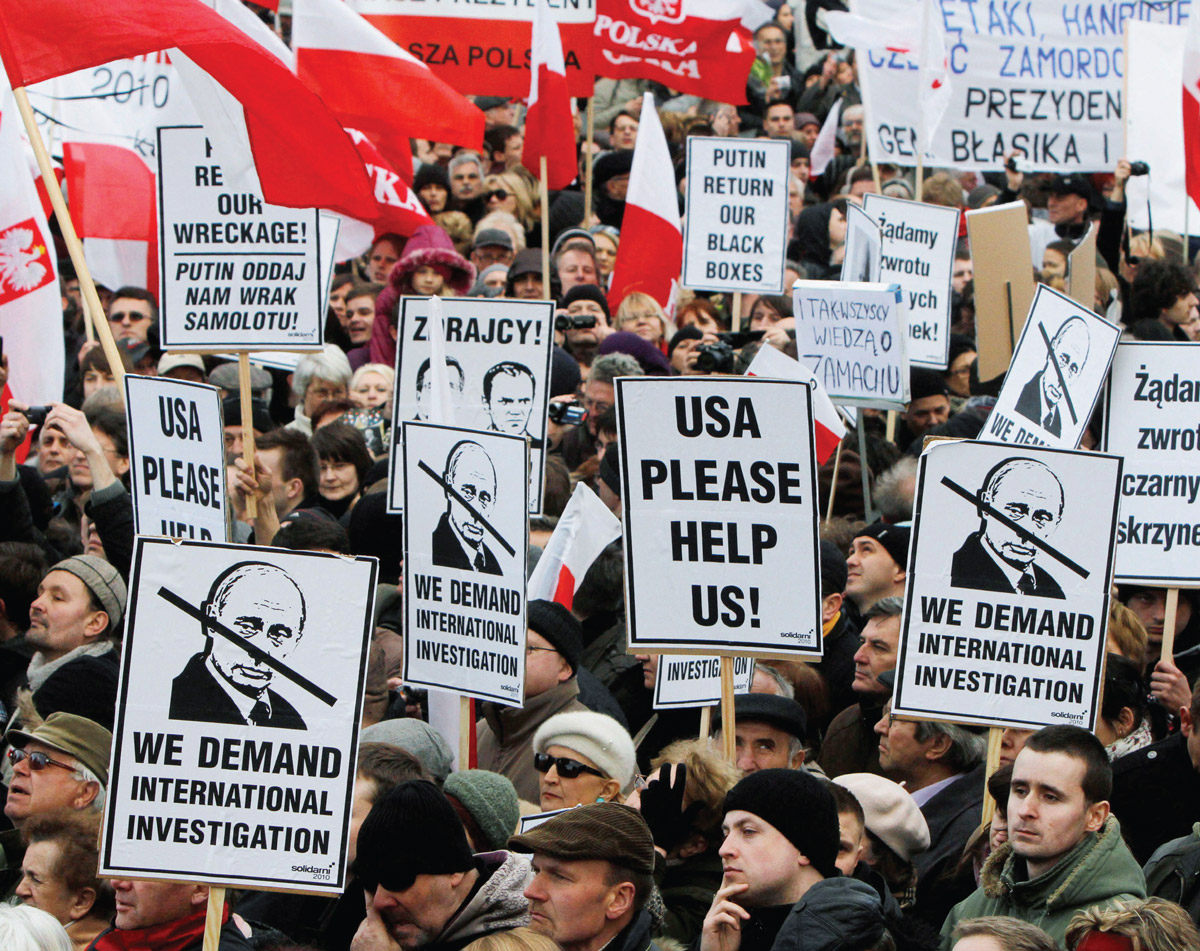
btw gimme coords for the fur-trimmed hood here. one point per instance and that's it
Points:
(431, 245)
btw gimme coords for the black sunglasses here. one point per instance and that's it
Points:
(567, 768)
(37, 761)
(495, 193)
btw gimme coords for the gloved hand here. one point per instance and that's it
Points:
(662, 807)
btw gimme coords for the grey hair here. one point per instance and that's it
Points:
(896, 489)
(25, 928)
(330, 364)
(607, 368)
(786, 689)
(967, 749)
(85, 775)
(463, 158)
(885, 607)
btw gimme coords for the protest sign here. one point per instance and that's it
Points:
(1006, 604)
(533, 820)
(1003, 276)
(864, 247)
(852, 337)
(176, 458)
(1042, 78)
(236, 273)
(736, 226)
(696, 681)
(720, 511)
(918, 254)
(1081, 269)
(1057, 371)
(1150, 420)
(466, 534)
(238, 713)
(498, 362)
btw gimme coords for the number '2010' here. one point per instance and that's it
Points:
(122, 86)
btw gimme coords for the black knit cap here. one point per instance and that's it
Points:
(798, 805)
(586, 292)
(924, 382)
(834, 573)
(894, 538)
(560, 627)
(411, 830)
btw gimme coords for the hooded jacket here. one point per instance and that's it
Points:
(498, 904)
(1097, 872)
(835, 914)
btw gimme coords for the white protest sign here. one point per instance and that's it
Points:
(1150, 420)
(466, 536)
(720, 510)
(533, 820)
(918, 254)
(864, 247)
(1042, 77)
(1006, 604)
(736, 225)
(684, 681)
(498, 362)
(237, 723)
(237, 273)
(176, 458)
(1056, 374)
(852, 337)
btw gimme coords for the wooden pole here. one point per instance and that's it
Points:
(705, 722)
(728, 724)
(735, 314)
(87, 287)
(88, 329)
(993, 763)
(247, 398)
(590, 134)
(891, 425)
(544, 193)
(868, 509)
(466, 724)
(837, 464)
(212, 918)
(1168, 641)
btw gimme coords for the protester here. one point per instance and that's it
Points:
(876, 565)
(769, 732)
(583, 757)
(25, 928)
(1153, 924)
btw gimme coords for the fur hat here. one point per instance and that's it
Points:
(598, 737)
(431, 246)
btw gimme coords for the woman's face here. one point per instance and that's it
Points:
(427, 281)
(764, 316)
(837, 229)
(41, 888)
(371, 390)
(784, 17)
(958, 375)
(701, 320)
(560, 793)
(434, 197)
(999, 829)
(337, 298)
(339, 480)
(606, 253)
(645, 322)
(499, 197)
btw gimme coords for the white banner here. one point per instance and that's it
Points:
(1150, 420)
(736, 226)
(176, 458)
(1006, 604)
(720, 510)
(864, 248)
(237, 723)
(696, 681)
(466, 537)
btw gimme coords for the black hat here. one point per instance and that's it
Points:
(610, 468)
(799, 150)
(798, 805)
(431, 174)
(611, 164)
(231, 410)
(892, 537)
(586, 292)
(1073, 185)
(690, 332)
(924, 382)
(489, 237)
(527, 261)
(560, 627)
(491, 102)
(781, 712)
(411, 830)
(833, 569)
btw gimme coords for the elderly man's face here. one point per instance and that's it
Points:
(267, 610)
(319, 391)
(466, 181)
(475, 480)
(1032, 498)
(52, 788)
(511, 402)
(1071, 348)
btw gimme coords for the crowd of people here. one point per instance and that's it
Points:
(837, 825)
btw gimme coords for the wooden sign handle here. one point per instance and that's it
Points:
(837, 464)
(212, 919)
(1168, 640)
(728, 739)
(247, 398)
(466, 724)
(705, 722)
(993, 763)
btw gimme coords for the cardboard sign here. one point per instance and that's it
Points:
(852, 337)
(466, 536)
(1060, 365)
(696, 681)
(1081, 270)
(498, 361)
(1006, 605)
(736, 226)
(1150, 420)
(720, 510)
(918, 254)
(864, 248)
(1003, 266)
(176, 458)
(236, 272)
(237, 723)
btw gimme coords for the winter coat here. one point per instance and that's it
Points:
(1173, 872)
(1166, 768)
(836, 914)
(687, 887)
(953, 815)
(850, 744)
(1097, 872)
(498, 904)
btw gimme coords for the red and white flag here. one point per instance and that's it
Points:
(374, 85)
(825, 146)
(585, 528)
(302, 157)
(399, 209)
(113, 208)
(828, 426)
(1191, 108)
(651, 252)
(549, 128)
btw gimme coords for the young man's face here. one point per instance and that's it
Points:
(756, 853)
(876, 655)
(850, 842)
(1047, 812)
(872, 573)
(568, 900)
(360, 317)
(964, 271)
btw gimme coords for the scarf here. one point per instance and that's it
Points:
(174, 935)
(41, 669)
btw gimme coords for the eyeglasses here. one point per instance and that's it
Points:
(37, 761)
(529, 649)
(119, 317)
(499, 193)
(567, 768)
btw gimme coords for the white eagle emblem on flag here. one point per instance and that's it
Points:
(659, 11)
(24, 261)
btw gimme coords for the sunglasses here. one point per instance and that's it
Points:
(37, 761)
(118, 317)
(567, 768)
(499, 193)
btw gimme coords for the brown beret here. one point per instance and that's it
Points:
(605, 830)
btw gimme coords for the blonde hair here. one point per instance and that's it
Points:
(458, 227)
(517, 939)
(516, 186)
(382, 369)
(636, 300)
(1127, 632)
(710, 776)
(1152, 924)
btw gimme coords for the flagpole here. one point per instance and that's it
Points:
(921, 119)
(544, 193)
(247, 400)
(587, 169)
(87, 286)
(212, 918)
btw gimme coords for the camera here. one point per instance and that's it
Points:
(718, 357)
(567, 414)
(1139, 168)
(565, 322)
(37, 415)
(1018, 164)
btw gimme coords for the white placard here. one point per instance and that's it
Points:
(535, 819)
(237, 723)
(852, 337)
(1056, 374)
(1150, 420)
(918, 254)
(684, 681)
(1006, 604)
(498, 356)
(176, 458)
(736, 226)
(720, 511)
(236, 272)
(466, 536)
(864, 248)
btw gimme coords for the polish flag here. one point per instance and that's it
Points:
(584, 530)
(825, 146)
(651, 252)
(300, 154)
(113, 207)
(399, 209)
(828, 426)
(1191, 108)
(374, 85)
(549, 128)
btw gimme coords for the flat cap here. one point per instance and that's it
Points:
(778, 711)
(604, 830)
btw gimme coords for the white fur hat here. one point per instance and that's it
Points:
(598, 737)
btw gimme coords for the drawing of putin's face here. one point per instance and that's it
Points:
(263, 605)
(1071, 347)
(471, 474)
(1030, 495)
